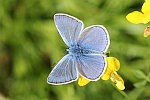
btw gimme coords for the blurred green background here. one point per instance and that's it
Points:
(30, 47)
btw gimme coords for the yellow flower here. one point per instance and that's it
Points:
(147, 31)
(113, 65)
(82, 81)
(137, 17)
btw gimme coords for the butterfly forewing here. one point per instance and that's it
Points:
(92, 66)
(64, 72)
(69, 28)
(94, 38)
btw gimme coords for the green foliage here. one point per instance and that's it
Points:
(30, 46)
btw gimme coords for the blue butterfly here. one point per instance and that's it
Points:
(87, 51)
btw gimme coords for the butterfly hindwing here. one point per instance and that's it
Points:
(64, 72)
(92, 66)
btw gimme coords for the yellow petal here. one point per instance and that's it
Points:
(146, 17)
(135, 17)
(113, 64)
(82, 81)
(105, 76)
(120, 85)
(117, 80)
(147, 31)
(146, 6)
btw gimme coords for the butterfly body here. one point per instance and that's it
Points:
(86, 53)
(79, 51)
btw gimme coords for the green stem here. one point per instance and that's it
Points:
(122, 92)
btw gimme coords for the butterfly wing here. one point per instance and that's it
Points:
(68, 27)
(92, 66)
(94, 38)
(64, 72)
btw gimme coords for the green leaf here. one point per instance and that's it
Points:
(140, 84)
(139, 74)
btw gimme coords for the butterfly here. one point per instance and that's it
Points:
(86, 53)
